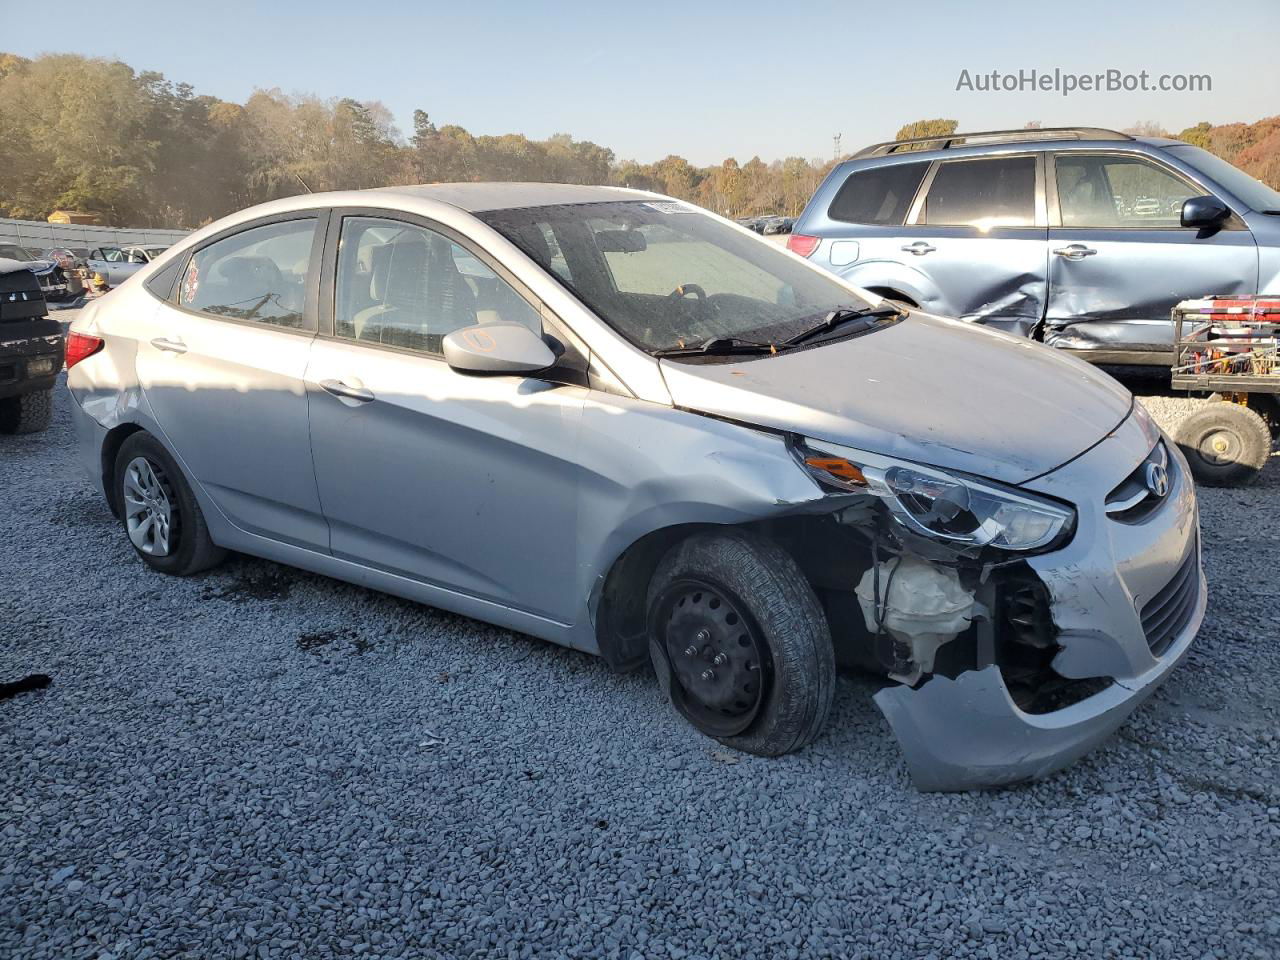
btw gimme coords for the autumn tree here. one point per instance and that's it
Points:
(141, 150)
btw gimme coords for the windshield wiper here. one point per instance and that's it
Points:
(719, 346)
(868, 316)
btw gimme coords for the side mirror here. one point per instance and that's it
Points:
(497, 348)
(1207, 211)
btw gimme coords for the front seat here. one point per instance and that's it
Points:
(398, 284)
(1087, 207)
(451, 304)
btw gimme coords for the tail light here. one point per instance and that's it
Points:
(803, 245)
(81, 345)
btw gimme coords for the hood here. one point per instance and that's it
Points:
(928, 389)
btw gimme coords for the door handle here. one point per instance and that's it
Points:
(1075, 251)
(919, 248)
(344, 393)
(169, 346)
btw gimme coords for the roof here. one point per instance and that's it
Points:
(475, 197)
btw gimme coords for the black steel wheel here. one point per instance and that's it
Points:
(739, 642)
(720, 666)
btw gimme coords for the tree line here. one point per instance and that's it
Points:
(93, 135)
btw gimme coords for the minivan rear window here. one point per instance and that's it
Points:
(881, 196)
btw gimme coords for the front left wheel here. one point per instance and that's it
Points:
(740, 644)
(161, 516)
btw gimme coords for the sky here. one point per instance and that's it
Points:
(703, 80)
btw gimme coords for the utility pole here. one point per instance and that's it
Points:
(835, 146)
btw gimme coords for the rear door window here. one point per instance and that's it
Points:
(258, 275)
(879, 196)
(987, 193)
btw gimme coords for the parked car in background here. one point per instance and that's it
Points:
(144, 254)
(612, 420)
(50, 277)
(31, 350)
(72, 266)
(1083, 237)
(111, 266)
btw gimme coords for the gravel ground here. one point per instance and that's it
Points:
(262, 763)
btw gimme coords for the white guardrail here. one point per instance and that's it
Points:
(38, 235)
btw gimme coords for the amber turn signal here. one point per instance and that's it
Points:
(838, 467)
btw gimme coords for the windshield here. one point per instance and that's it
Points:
(12, 251)
(666, 276)
(154, 252)
(1255, 194)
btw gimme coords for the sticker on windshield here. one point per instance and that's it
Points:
(669, 206)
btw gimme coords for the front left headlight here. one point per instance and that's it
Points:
(950, 507)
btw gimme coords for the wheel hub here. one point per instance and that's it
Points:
(720, 666)
(148, 511)
(1220, 447)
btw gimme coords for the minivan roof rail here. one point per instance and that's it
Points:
(990, 136)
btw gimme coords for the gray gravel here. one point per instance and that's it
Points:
(262, 763)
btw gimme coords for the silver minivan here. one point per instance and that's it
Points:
(617, 422)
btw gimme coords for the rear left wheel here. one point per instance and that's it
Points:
(740, 644)
(161, 516)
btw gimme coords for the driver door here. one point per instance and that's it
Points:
(1119, 258)
(464, 482)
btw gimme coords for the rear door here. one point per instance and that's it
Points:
(1120, 260)
(221, 364)
(464, 482)
(978, 232)
(864, 237)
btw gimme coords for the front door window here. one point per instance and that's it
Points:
(1119, 192)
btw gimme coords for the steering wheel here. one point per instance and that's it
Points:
(682, 291)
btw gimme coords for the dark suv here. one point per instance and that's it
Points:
(31, 353)
(1082, 237)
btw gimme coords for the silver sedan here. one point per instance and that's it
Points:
(617, 422)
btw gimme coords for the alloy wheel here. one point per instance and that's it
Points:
(148, 507)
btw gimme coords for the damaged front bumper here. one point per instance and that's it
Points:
(967, 733)
(1127, 597)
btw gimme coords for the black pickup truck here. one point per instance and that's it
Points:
(32, 348)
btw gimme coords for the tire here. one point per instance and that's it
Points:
(27, 412)
(759, 584)
(1267, 406)
(187, 548)
(1226, 444)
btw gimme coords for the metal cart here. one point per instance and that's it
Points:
(1227, 346)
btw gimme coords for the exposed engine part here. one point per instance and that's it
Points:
(920, 605)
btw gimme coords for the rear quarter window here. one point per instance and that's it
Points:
(880, 196)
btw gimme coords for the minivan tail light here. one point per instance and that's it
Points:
(803, 245)
(81, 345)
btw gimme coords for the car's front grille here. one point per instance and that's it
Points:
(1167, 614)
